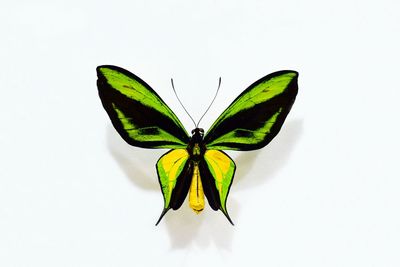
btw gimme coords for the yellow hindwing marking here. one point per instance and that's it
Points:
(220, 165)
(196, 193)
(172, 163)
(222, 169)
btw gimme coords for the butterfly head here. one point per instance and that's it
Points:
(197, 135)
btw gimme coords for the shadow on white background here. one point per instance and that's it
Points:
(184, 227)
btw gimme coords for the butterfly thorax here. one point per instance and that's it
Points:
(196, 147)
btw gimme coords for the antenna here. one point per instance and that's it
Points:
(216, 93)
(173, 88)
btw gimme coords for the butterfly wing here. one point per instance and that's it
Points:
(138, 114)
(174, 171)
(217, 171)
(250, 122)
(255, 117)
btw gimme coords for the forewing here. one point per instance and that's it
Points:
(255, 117)
(138, 114)
(174, 171)
(217, 171)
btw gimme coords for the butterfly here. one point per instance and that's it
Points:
(196, 164)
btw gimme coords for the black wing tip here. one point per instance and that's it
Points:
(227, 216)
(272, 75)
(113, 67)
(125, 72)
(98, 68)
(280, 72)
(107, 67)
(165, 210)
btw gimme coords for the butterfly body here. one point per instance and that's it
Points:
(196, 165)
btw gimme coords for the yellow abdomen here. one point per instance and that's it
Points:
(196, 193)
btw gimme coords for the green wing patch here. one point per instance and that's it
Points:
(255, 117)
(139, 115)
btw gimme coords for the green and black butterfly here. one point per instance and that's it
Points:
(196, 164)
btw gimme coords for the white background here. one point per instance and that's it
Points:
(325, 192)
